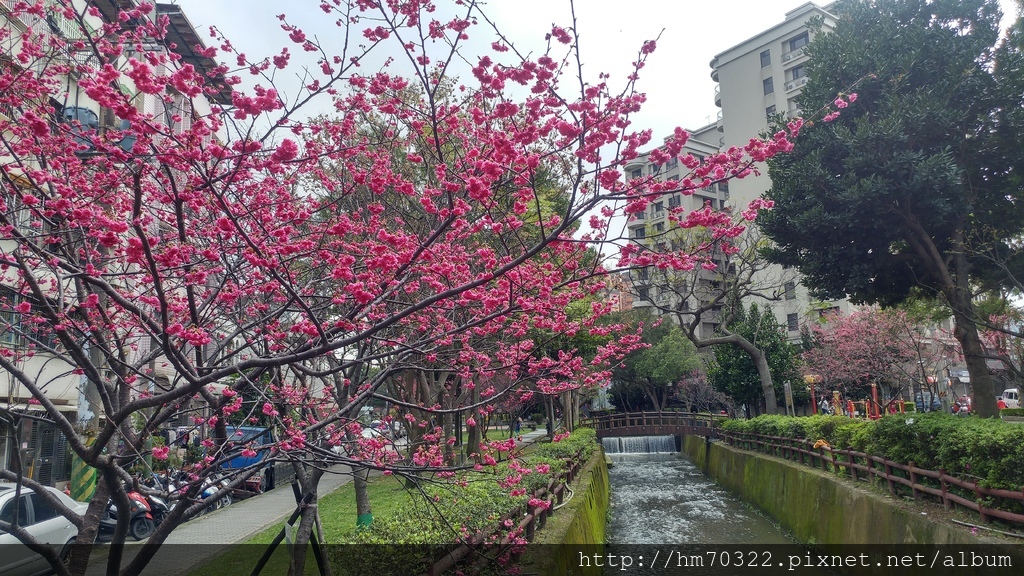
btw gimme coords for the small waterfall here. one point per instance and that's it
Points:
(639, 444)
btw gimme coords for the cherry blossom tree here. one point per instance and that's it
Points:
(872, 345)
(259, 249)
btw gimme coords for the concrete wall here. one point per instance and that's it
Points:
(817, 507)
(580, 523)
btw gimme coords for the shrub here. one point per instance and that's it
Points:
(988, 450)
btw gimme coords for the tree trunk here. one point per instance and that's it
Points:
(966, 332)
(756, 355)
(364, 513)
(549, 403)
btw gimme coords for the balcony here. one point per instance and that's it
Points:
(794, 84)
(793, 54)
(718, 96)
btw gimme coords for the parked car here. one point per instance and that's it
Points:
(40, 520)
(1011, 397)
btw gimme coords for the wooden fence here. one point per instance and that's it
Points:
(530, 520)
(989, 503)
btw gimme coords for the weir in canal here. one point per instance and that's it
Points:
(659, 497)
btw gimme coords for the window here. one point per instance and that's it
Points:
(178, 113)
(41, 510)
(654, 169)
(769, 86)
(790, 290)
(797, 72)
(792, 323)
(674, 201)
(643, 274)
(797, 42)
(15, 330)
(7, 515)
(672, 163)
(637, 173)
(659, 227)
(639, 233)
(766, 58)
(723, 186)
(643, 292)
(769, 111)
(659, 207)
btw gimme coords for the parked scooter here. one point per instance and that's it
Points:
(141, 522)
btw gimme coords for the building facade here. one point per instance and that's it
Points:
(41, 447)
(757, 79)
(668, 292)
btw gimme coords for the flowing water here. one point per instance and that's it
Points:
(664, 499)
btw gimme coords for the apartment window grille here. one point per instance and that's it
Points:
(766, 58)
(792, 322)
(769, 86)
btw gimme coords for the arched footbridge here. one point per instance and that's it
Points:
(654, 424)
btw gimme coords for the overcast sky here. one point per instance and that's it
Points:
(677, 79)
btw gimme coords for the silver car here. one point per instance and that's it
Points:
(40, 520)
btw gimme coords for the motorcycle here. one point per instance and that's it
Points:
(141, 522)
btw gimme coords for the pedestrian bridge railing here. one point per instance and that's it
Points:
(653, 424)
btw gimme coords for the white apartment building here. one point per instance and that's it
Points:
(649, 228)
(757, 78)
(43, 448)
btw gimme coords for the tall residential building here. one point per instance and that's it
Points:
(758, 78)
(661, 290)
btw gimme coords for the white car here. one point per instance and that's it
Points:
(1011, 397)
(43, 522)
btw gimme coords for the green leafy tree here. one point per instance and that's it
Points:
(903, 189)
(733, 371)
(655, 370)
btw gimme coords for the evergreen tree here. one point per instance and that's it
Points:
(920, 174)
(733, 372)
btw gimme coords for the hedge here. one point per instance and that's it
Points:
(988, 450)
(476, 501)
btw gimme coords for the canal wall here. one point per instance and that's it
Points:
(579, 522)
(817, 507)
